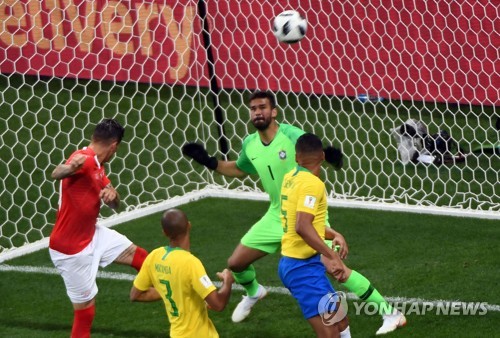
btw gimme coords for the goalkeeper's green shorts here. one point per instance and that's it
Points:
(265, 235)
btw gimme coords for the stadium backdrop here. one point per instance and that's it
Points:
(124, 41)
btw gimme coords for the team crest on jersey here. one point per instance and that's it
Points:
(99, 175)
(282, 155)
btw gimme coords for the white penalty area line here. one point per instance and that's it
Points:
(271, 289)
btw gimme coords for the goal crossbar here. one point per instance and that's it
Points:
(213, 191)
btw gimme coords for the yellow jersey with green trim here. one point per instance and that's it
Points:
(181, 280)
(302, 191)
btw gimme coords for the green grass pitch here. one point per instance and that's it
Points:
(43, 120)
(404, 255)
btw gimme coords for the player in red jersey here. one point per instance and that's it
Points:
(78, 246)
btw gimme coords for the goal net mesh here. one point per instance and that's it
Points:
(175, 72)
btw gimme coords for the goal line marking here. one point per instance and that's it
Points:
(271, 289)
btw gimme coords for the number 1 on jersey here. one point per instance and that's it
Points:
(270, 172)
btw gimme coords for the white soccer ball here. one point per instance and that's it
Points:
(289, 26)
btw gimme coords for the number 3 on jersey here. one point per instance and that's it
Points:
(168, 295)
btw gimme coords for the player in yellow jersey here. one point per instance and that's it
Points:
(306, 257)
(173, 274)
(270, 153)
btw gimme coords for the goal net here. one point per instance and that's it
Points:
(174, 72)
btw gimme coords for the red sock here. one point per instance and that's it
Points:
(139, 257)
(82, 322)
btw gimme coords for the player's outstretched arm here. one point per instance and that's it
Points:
(198, 153)
(217, 300)
(229, 168)
(150, 295)
(334, 156)
(65, 170)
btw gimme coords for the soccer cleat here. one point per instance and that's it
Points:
(243, 308)
(391, 323)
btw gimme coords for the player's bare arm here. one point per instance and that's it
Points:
(110, 196)
(150, 295)
(217, 300)
(305, 229)
(331, 260)
(229, 168)
(66, 170)
(337, 239)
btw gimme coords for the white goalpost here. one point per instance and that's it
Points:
(177, 72)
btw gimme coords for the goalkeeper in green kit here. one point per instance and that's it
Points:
(270, 153)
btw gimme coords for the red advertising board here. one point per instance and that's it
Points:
(115, 40)
(420, 50)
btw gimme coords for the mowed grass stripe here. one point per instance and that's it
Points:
(271, 289)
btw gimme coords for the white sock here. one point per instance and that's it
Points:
(346, 333)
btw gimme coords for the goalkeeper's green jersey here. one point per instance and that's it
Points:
(271, 162)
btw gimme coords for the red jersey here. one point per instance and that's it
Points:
(79, 205)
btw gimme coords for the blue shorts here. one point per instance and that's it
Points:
(306, 280)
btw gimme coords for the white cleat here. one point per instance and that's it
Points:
(243, 308)
(391, 323)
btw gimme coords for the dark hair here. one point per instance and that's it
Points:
(308, 143)
(261, 94)
(174, 223)
(108, 130)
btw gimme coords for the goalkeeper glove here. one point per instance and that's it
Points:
(198, 153)
(334, 157)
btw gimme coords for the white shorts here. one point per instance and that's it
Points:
(79, 271)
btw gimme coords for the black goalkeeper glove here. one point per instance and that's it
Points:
(198, 153)
(334, 157)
